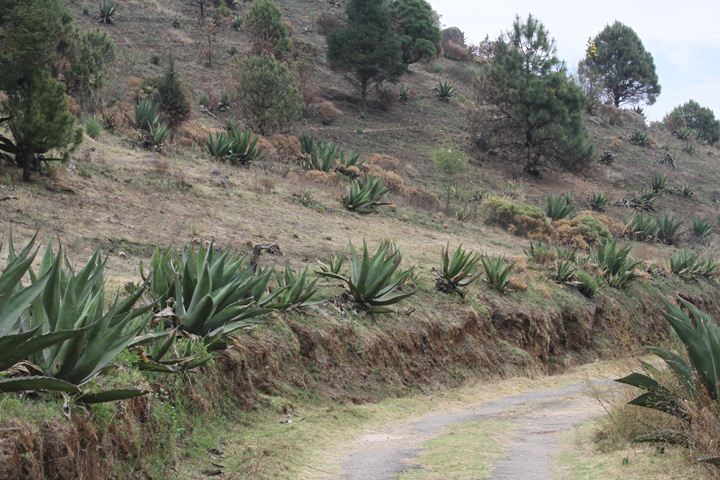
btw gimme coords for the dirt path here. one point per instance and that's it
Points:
(537, 419)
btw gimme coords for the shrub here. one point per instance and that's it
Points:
(693, 117)
(446, 91)
(598, 201)
(108, 9)
(701, 228)
(659, 182)
(375, 281)
(267, 93)
(587, 284)
(557, 207)
(328, 112)
(518, 218)
(669, 229)
(93, 50)
(364, 195)
(640, 138)
(615, 263)
(93, 126)
(456, 272)
(456, 52)
(171, 97)
(269, 32)
(498, 272)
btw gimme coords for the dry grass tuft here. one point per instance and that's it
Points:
(391, 180)
(386, 162)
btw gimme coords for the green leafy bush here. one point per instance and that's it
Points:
(615, 262)
(171, 97)
(457, 271)
(375, 281)
(415, 23)
(540, 252)
(498, 272)
(364, 195)
(557, 207)
(92, 51)
(587, 284)
(520, 218)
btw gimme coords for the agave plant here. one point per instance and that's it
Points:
(218, 145)
(669, 229)
(498, 272)
(365, 195)
(17, 342)
(76, 301)
(214, 292)
(540, 252)
(640, 138)
(296, 290)
(376, 281)
(156, 135)
(108, 9)
(659, 182)
(456, 272)
(565, 271)
(558, 207)
(645, 199)
(687, 264)
(146, 114)
(599, 201)
(701, 228)
(334, 265)
(404, 94)
(243, 147)
(686, 190)
(446, 91)
(643, 227)
(615, 262)
(697, 371)
(322, 156)
(350, 159)
(170, 351)
(684, 133)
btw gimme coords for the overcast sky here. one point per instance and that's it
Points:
(683, 37)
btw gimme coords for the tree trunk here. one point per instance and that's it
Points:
(26, 157)
(363, 94)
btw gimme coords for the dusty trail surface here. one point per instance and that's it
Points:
(537, 422)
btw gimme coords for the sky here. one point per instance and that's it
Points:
(683, 37)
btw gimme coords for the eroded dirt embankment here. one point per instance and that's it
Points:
(340, 358)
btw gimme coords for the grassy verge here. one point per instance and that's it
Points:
(584, 461)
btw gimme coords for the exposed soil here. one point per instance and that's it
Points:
(539, 417)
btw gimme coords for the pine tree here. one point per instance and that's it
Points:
(415, 23)
(367, 48)
(269, 32)
(35, 34)
(268, 94)
(524, 100)
(171, 97)
(625, 68)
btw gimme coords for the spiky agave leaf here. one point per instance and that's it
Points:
(365, 195)
(457, 271)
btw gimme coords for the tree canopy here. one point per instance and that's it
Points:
(625, 69)
(366, 48)
(524, 100)
(701, 120)
(416, 24)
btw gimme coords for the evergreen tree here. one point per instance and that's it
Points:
(627, 71)
(171, 97)
(415, 23)
(367, 48)
(268, 94)
(34, 34)
(524, 100)
(701, 120)
(269, 32)
(92, 51)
